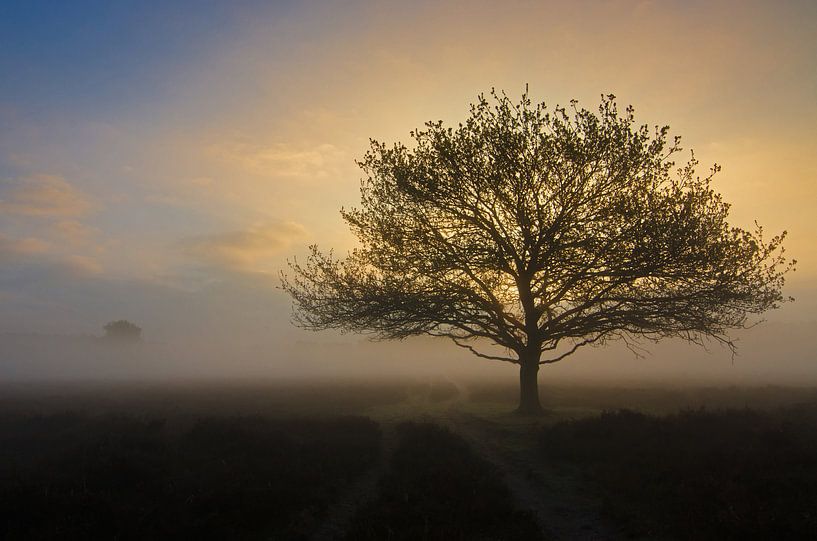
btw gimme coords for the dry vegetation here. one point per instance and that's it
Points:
(725, 474)
(437, 488)
(77, 476)
(271, 461)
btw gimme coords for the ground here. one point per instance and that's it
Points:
(406, 460)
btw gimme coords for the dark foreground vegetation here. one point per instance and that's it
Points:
(78, 476)
(274, 460)
(577, 399)
(177, 399)
(727, 474)
(437, 488)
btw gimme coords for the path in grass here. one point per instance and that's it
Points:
(364, 489)
(562, 506)
(361, 491)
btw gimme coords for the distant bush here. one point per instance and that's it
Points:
(115, 477)
(123, 330)
(437, 488)
(730, 474)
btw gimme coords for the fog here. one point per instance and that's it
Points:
(237, 325)
(230, 347)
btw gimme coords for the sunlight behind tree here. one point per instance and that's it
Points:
(539, 231)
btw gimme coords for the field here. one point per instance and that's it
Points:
(405, 460)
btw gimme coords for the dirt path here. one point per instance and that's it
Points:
(364, 489)
(562, 509)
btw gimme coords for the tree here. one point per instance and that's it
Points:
(539, 231)
(123, 330)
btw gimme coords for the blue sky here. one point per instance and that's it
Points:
(95, 57)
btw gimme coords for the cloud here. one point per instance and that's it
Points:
(82, 265)
(73, 232)
(44, 230)
(246, 250)
(281, 159)
(28, 255)
(46, 196)
(12, 250)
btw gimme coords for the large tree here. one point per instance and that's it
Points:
(539, 231)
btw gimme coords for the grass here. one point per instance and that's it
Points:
(437, 488)
(249, 460)
(76, 476)
(726, 474)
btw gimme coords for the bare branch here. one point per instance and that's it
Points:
(571, 351)
(483, 355)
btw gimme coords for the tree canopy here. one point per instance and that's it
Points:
(539, 231)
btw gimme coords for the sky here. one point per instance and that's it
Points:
(160, 161)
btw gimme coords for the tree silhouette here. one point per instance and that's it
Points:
(123, 330)
(539, 231)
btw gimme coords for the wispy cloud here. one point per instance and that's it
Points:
(37, 253)
(74, 232)
(280, 159)
(47, 196)
(83, 265)
(13, 249)
(250, 249)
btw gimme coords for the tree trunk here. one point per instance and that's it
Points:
(529, 387)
